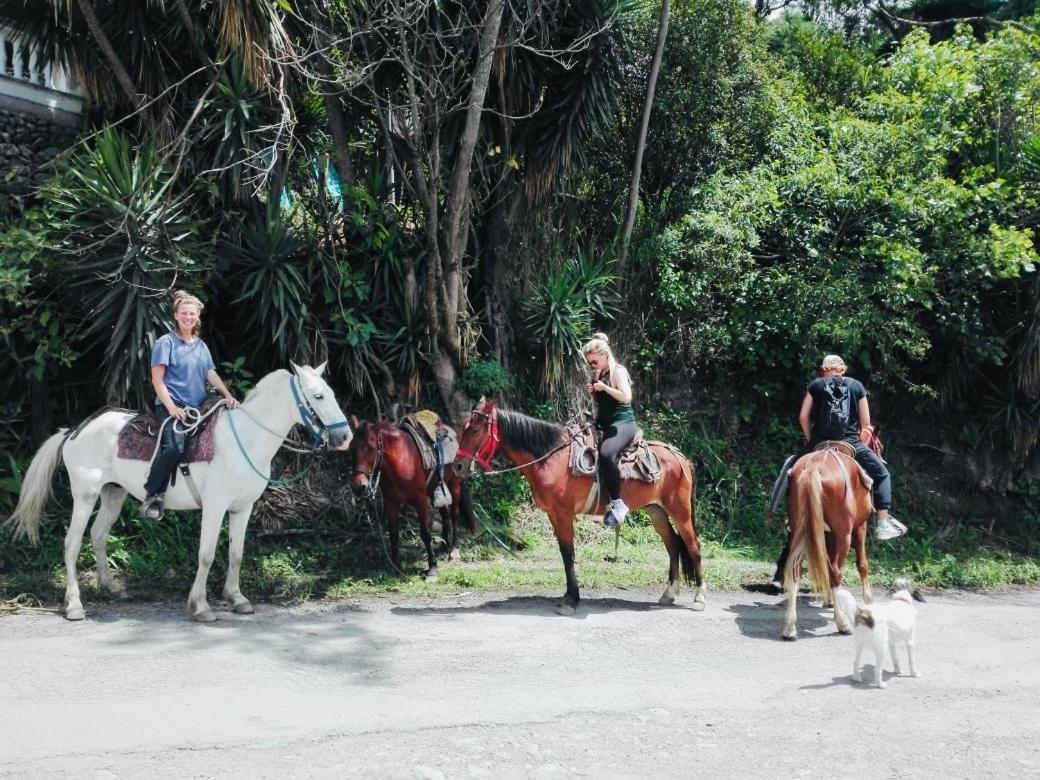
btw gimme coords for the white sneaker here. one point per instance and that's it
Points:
(889, 528)
(616, 513)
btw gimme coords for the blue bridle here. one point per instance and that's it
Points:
(314, 424)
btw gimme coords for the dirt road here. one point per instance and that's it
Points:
(497, 685)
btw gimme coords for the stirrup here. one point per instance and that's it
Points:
(152, 507)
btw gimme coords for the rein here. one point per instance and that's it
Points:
(489, 448)
(314, 424)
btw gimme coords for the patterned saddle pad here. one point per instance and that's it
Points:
(637, 461)
(138, 438)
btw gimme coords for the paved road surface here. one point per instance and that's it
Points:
(497, 685)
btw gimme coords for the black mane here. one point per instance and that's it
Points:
(528, 434)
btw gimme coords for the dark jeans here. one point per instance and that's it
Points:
(865, 457)
(615, 439)
(171, 449)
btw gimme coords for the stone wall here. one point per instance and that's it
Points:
(26, 143)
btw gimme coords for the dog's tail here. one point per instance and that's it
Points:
(865, 617)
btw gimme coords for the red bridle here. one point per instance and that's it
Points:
(489, 447)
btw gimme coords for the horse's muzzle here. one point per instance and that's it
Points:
(464, 468)
(340, 439)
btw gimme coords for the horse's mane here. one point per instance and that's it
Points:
(526, 433)
(265, 383)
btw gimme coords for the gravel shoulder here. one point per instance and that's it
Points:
(496, 684)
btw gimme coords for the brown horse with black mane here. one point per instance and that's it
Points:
(386, 458)
(541, 452)
(828, 507)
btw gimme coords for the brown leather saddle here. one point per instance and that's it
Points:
(638, 461)
(427, 430)
(139, 436)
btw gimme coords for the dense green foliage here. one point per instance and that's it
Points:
(830, 182)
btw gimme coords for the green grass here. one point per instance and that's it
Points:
(954, 542)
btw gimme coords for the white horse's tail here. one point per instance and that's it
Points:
(36, 489)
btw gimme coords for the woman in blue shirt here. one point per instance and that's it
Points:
(181, 366)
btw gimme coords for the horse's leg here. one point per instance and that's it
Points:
(198, 606)
(450, 520)
(837, 564)
(422, 508)
(563, 525)
(859, 542)
(781, 562)
(237, 522)
(671, 540)
(112, 498)
(791, 576)
(84, 495)
(682, 514)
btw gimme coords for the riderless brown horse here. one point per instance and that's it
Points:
(541, 452)
(828, 507)
(386, 458)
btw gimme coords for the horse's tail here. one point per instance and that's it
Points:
(819, 565)
(36, 489)
(689, 569)
(466, 508)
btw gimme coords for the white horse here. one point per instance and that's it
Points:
(246, 440)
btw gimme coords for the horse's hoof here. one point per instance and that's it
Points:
(206, 616)
(121, 595)
(845, 630)
(698, 606)
(432, 575)
(75, 613)
(565, 609)
(245, 608)
(666, 600)
(455, 556)
(791, 638)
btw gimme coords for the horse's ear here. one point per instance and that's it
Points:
(354, 422)
(320, 370)
(482, 401)
(295, 368)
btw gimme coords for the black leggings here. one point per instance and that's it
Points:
(615, 438)
(170, 453)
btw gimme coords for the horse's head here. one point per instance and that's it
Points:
(479, 439)
(366, 455)
(316, 407)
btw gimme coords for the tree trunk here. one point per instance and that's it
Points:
(122, 76)
(450, 295)
(648, 104)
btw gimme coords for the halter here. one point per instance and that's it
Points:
(487, 450)
(311, 420)
(375, 474)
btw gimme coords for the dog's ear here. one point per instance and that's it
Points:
(917, 596)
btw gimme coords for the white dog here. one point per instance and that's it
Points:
(878, 626)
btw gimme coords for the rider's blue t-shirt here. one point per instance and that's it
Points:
(186, 368)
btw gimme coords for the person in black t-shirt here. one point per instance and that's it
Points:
(835, 408)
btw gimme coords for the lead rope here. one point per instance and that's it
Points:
(194, 419)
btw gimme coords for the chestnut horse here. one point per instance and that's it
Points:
(542, 453)
(828, 507)
(386, 457)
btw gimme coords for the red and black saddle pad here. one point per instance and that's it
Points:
(138, 437)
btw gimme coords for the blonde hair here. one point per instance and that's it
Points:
(601, 343)
(835, 363)
(184, 298)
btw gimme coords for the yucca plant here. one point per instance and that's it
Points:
(560, 311)
(273, 284)
(122, 234)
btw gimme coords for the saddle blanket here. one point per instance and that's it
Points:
(138, 438)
